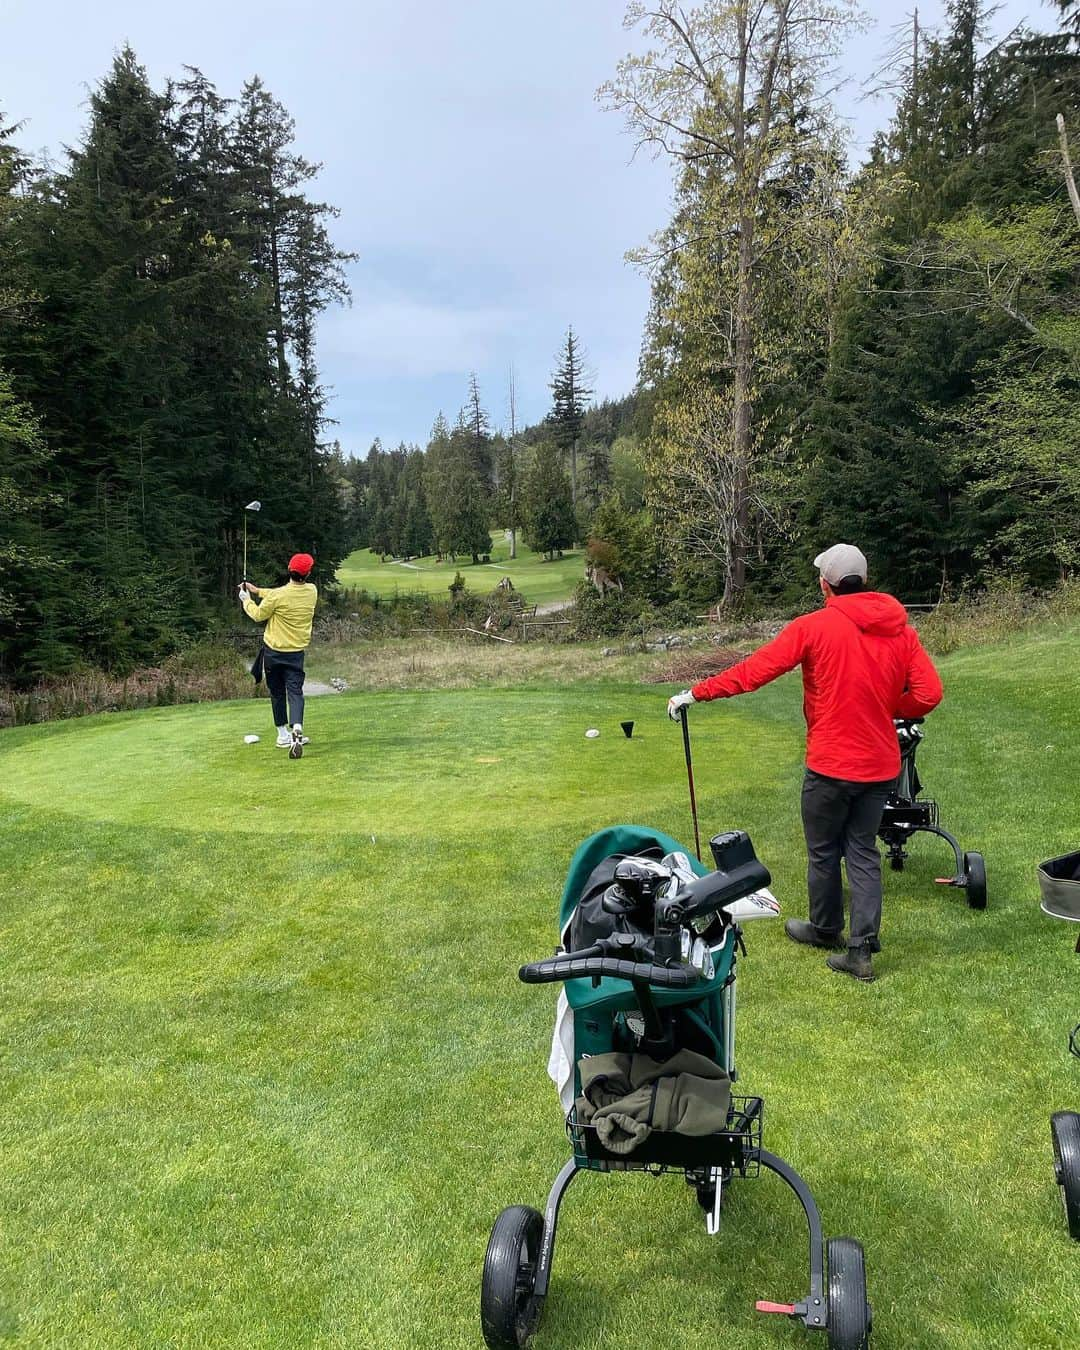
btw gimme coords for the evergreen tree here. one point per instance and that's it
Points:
(570, 394)
(416, 537)
(476, 426)
(457, 501)
(24, 556)
(548, 503)
(596, 479)
(900, 432)
(158, 363)
(356, 476)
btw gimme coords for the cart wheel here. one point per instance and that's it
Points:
(897, 864)
(509, 1313)
(975, 871)
(1065, 1131)
(848, 1311)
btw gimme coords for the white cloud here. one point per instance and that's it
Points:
(410, 338)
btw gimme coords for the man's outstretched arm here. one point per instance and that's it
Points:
(776, 658)
(259, 612)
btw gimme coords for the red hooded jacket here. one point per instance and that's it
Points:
(862, 665)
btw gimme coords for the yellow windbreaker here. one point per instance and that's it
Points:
(287, 612)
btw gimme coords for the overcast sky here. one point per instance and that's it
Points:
(489, 198)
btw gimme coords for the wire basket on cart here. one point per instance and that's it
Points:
(735, 1149)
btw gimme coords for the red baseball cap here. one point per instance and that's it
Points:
(302, 563)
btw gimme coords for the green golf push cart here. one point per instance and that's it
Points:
(651, 972)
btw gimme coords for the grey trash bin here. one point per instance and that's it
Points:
(1059, 882)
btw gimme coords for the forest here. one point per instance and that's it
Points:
(886, 352)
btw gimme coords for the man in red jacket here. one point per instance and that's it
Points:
(862, 665)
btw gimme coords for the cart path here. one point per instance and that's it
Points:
(313, 688)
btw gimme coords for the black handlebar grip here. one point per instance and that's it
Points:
(579, 967)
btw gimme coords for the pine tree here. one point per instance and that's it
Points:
(570, 394)
(477, 427)
(457, 502)
(548, 503)
(149, 252)
(415, 536)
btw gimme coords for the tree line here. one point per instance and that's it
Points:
(888, 355)
(543, 483)
(159, 294)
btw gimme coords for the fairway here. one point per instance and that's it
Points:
(268, 1073)
(540, 582)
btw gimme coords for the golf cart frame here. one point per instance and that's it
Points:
(639, 984)
(737, 1151)
(907, 814)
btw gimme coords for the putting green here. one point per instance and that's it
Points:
(392, 765)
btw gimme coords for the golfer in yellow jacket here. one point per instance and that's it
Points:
(287, 612)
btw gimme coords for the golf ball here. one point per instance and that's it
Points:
(592, 733)
(250, 740)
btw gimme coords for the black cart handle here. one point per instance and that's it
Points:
(575, 967)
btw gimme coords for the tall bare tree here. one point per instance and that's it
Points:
(730, 90)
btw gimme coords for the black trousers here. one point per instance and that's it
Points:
(284, 673)
(840, 820)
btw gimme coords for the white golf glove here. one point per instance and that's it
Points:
(242, 593)
(677, 701)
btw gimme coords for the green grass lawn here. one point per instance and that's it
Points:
(540, 581)
(267, 1074)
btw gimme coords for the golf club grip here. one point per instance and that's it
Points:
(577, 967)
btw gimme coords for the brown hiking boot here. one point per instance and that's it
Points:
(855, 961)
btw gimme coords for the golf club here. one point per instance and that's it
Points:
(690, 780)
(251, 506)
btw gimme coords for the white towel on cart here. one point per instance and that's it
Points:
(561, 1060)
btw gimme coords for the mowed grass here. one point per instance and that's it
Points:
(268, 1075)
(540, 581)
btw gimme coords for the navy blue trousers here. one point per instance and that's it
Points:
(284, 673)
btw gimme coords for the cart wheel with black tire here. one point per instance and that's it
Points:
(849, 1313)
(1065, 1131)
(509, 1311)
(975, 872)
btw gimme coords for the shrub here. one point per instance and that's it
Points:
(595, 615)
(995, 614)
(204, 672)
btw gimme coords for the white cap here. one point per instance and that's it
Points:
(842, 560)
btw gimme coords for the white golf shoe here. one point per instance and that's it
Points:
(284, 738)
